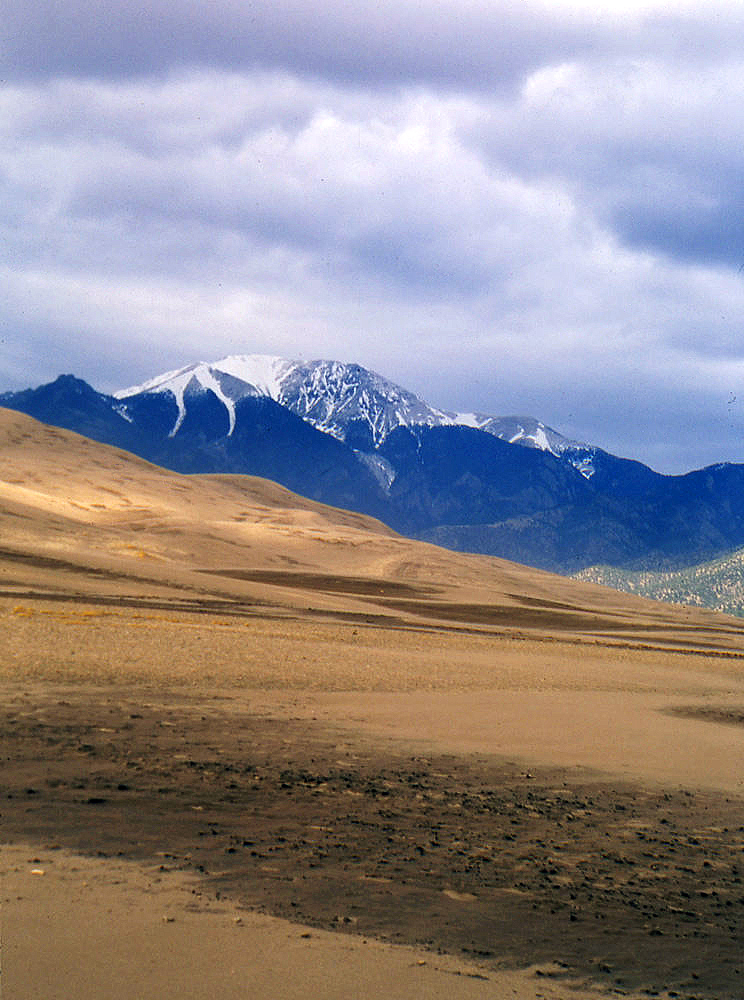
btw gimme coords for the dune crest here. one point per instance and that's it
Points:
(112, 524)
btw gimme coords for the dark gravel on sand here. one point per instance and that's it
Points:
(631, 888)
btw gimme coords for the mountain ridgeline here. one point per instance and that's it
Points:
(339, 434)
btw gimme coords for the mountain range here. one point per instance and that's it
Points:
(340, 434)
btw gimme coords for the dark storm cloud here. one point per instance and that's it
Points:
(449, 41)
(652, 146)
(714, 233)
(460, 43)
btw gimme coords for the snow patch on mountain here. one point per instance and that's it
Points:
(263, 372)
(338, 398)
(123, 412)
(467, 420)
(193, 378)
(581, 456)
(347, 401)
(380, 468)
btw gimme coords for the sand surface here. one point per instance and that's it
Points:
(254, 747)
(78, 927)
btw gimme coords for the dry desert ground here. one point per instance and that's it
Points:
(254, 747)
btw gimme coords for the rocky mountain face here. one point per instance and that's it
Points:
(348, 402)
(506, 486)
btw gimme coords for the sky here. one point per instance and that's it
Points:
(510, 207)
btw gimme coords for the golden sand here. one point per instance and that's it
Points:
(229, 598)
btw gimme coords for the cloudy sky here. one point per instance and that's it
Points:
(514, 206)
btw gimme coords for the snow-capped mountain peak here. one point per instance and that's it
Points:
(229, 379)
(331, 395)
(199, 377)
(341, 398)
(347, 401)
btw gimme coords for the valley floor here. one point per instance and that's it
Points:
(285, 804)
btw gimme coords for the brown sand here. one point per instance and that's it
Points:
(258, 747)
(94, 928)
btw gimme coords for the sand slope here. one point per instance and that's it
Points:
(107, 523)
(216, 691)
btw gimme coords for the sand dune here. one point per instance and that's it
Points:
(76, 510)
(234, 715)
